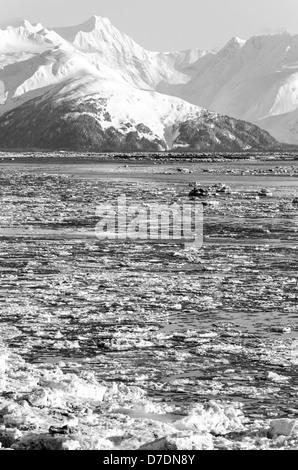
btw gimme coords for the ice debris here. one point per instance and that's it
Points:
(48, 409)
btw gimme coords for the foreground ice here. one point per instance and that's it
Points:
(43, 408)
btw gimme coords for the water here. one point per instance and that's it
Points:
(185, 326)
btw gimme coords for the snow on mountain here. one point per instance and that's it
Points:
(252, 80)
(27, 38)
(92, 76)
(93, 114)
(141, 68)
(96, 44)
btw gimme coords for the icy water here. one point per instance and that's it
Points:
(185, 325)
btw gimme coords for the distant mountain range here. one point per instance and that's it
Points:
(90, 87)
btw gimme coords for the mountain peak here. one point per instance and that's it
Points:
(25, 24)
(32, 28)
(100, 19)
(233, 44)
(94, 22)
(69, 33)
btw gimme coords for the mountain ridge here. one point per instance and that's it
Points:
(96, 61)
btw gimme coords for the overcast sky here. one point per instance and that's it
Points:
(165, 25)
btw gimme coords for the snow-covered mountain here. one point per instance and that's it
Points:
(92, 87)
(255, 80)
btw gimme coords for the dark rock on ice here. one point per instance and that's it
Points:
(64, 430)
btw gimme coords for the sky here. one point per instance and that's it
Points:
(164, 25)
